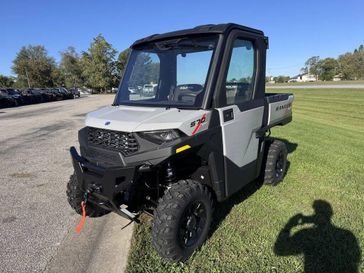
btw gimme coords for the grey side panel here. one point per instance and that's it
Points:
(240, 145)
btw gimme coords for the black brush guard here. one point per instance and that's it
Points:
(104, 186)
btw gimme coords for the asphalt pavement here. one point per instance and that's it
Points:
(37, 224)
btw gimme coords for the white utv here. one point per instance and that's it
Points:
(201, 137)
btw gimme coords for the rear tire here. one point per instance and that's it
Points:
(182, 220)
(75, 196)
(276, 163)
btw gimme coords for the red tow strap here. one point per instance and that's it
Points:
(83, 219)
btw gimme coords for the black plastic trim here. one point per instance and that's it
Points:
(228, 114)
(250, 105)
(90, 175)
(237, 177)
(275, 97)
(266, 127)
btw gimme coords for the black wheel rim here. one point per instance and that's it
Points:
(280, 165)
(192, 224)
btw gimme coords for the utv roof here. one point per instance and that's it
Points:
(203, 29)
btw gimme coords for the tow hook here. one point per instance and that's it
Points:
(94, 188)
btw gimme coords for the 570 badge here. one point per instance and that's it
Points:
(198, 121)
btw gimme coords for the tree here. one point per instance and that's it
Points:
(347, 68)
(281, 79)
(6, 81)
(58, 77)
(358, 62)
(145, 70)
(327, 69)
(99, 65)
(70, 68)
(121, 62)
(312, 66)
(34, 67)
(350, 65)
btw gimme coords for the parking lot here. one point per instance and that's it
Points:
(37, 224)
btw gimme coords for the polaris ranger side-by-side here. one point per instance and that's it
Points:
(199, 137)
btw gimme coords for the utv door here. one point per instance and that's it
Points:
(241, 109)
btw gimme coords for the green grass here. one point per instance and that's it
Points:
(317, 83)
(326, 142)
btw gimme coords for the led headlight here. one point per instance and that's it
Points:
(161, 136)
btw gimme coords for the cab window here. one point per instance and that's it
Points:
(239, 83)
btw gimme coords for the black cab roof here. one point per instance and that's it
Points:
(203, 29)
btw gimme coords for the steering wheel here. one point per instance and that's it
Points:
(187, 90)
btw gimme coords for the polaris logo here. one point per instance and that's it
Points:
(107, 123)
(284, 106)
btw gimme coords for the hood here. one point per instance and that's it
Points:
(136, 118)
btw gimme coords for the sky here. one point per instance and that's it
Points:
(297, 29)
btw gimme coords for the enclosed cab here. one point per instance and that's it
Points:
(198, 137)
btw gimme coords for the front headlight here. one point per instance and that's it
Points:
(160, 136)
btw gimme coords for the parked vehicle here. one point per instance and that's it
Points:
(84, 91)
(12, 97)
(57, 94)
(6, 100)
(133, 90)
(15, 94)
(200, 139)
(149, 90)
(48, 94)
(63, 93)
(75, 92)
(31, 96)
(44, 93)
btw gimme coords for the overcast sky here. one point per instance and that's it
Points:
(297, 29)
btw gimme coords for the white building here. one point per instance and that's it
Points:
(337, 78)
(303, 78)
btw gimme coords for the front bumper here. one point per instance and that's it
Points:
(106, 187)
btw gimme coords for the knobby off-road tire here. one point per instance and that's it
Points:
(75, 196)
(276, 163)
(182, 220)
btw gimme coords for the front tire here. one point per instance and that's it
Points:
(182, 220)
(276, 163)
(75, 196)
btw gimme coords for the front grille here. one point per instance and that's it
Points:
(113, 140)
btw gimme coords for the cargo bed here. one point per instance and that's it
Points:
(278, 109)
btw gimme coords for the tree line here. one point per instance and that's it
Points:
(348, 66)
(98, 68)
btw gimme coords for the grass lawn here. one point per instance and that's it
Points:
(326, 145)
(316, 83)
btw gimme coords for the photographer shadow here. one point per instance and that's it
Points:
(326, 248)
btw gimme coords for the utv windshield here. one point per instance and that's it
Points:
(170, 73)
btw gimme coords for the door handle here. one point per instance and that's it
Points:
(228, 114)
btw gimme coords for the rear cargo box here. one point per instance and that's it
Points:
(279, 108)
